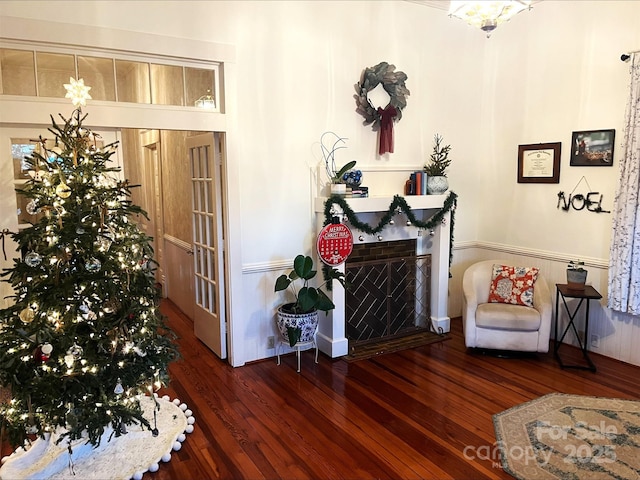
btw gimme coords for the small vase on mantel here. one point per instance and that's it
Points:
(338, 189)
(437, 185)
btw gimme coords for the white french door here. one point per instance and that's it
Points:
(205, 158)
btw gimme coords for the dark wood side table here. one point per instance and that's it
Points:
(589, 293)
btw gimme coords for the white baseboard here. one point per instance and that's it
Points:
(443, 323)
(333, 347)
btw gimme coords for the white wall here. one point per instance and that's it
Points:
(559, 72)
(548, 72)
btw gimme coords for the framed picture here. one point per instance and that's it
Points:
(592, 148)
(539, 163)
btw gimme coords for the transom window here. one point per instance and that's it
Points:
(38, 73)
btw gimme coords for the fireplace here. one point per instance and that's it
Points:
(389, 294)
(422, 302)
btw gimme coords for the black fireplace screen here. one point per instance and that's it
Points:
(388, 298)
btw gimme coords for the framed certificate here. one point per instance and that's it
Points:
(539, 163)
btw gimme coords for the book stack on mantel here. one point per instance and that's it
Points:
(417, 184)
(357, 192)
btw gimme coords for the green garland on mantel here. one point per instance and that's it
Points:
(399, 204)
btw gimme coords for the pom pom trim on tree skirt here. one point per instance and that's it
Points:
(124, 457)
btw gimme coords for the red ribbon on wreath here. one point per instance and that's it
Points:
(386, 128)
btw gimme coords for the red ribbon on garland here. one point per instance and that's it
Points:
(386, 128)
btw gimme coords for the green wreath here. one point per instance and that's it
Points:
(392, 82)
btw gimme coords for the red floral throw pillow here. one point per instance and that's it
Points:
(513, 285)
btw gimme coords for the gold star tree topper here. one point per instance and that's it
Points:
(77, 91)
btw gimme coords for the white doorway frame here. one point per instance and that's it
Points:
(34, 112)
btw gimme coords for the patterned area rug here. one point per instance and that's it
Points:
(574, 437)
(370, 350)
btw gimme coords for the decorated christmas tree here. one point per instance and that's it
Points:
(84, 338)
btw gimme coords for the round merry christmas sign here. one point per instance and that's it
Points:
(335, 244)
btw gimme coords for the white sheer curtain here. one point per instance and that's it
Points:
(624, 258)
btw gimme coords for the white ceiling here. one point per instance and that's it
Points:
(441, 4)
(444, 4)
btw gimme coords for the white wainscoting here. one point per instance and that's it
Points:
(178, 269)
(619, 335)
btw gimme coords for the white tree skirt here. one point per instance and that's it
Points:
(124, 457)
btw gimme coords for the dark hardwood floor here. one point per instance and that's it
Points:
(406, 415)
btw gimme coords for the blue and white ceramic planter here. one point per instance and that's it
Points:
(307, 322)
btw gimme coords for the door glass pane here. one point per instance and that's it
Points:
(198, 230)
(212, 265)
(205, 161)
(209, 239)
(20, 148)
(195, 163)
(205, 297)
(54, 70)
(199, 82)
(210, 197)
(18, 72)
(201, 205)
(98, 74)
(212, 298)
(205, 262)
(167, 87)
(132, 80)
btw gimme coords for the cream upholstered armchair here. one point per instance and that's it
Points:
(504, 326)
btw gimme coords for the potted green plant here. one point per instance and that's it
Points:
(436, 170)
(335, 174)
(298, 320)
(576, 275)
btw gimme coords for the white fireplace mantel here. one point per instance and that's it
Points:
(331, 331)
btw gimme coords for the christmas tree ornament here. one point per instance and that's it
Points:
(32, 208)
(75, 351)
(45, 352)
(69, 360)
(139, 352)
(63, 190)
(33, 259)
(36, 175)
(102, 244)
(27, 315)
(119, 388)
(93, 265)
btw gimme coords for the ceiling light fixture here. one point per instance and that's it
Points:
(206, 101)
(487, 15)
